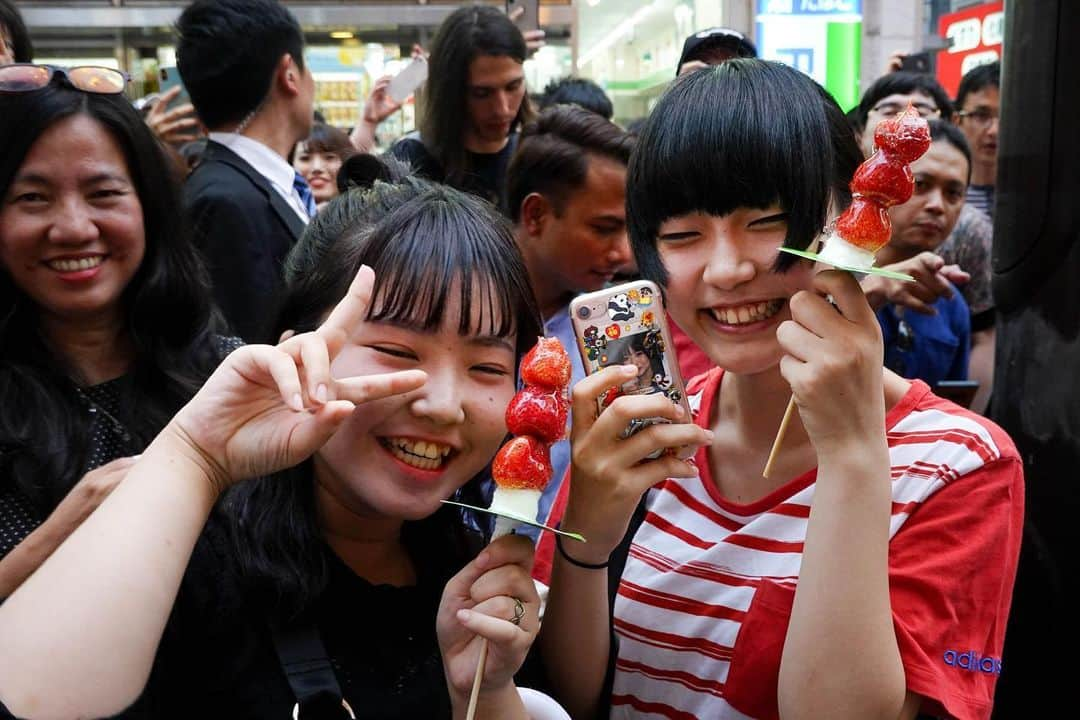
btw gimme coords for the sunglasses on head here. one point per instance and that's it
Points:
(27, 77)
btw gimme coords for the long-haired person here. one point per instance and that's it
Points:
(870, 575)
(473, 103)
(105, 328)
(338, 568)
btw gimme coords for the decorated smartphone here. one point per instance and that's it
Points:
(626, 325)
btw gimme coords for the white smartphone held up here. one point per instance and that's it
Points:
(626, 325)
(408, 80)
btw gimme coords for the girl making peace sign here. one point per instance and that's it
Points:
(389, 399)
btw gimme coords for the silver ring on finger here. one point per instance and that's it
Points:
(519, 611)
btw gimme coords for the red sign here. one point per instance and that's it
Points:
(976, 34)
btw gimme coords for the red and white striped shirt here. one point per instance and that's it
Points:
(705, 599)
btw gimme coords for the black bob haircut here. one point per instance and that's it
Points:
(578, 91)
(227, 51)
(902, 83)
(745, 133)
(979, 78)
(11, 21)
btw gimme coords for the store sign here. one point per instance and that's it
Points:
(976, 36)
(809, 7)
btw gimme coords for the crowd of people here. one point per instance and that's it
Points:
(243, 360)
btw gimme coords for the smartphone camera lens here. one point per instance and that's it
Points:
(584, 313)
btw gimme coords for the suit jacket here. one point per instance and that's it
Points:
(244, 229)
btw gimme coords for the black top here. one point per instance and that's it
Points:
(244, 228)
(217, 657)
(486, 176)
(109, 440)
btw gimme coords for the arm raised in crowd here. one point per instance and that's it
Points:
(81, 633)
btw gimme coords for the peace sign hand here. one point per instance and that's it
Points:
(268, 408)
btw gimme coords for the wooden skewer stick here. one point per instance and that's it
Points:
(790, 411)
(475, 694)
(779, 437)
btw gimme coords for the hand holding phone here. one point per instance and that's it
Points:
(406, 82)
(626, 325)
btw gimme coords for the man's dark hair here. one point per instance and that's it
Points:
(552, 157)
(745, 133)
(578, 91)
(948, 132)
(903, 83)
(227, 51)
(11, 21)
(977, 79)
(466, 33)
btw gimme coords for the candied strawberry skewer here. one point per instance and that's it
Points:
(882, 181)
(536, 416)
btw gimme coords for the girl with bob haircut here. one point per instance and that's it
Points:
(319, 581)
(869, 576)
(106, 330)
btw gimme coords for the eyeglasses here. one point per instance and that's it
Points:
(27, 77)
(891, 109)
(979, 118)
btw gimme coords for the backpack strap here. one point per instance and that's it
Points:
(307, 667)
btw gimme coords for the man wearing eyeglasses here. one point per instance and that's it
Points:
(889, 96)
(977, 102)
(928, 335)
(242, 64)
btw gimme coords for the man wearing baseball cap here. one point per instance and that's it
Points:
(713, 46)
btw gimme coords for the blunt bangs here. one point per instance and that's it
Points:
(445, 242)
(745, 133)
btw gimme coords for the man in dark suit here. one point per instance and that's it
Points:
(242, 63)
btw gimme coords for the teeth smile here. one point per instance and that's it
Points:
(418, 453)
(76, 265)
(746, 314)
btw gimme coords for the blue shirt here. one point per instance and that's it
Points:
(930, 348)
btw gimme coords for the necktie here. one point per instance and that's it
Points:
(304, 191)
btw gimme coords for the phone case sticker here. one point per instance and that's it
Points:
(648, 320)
(594, 342)
(613, 332)
(619, 308)
(645, 296)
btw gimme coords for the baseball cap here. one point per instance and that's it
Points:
(718, 37)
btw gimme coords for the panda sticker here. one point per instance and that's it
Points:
(619, 309)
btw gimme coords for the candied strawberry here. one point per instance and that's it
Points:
(547, 365)
(884, 179)
(904, 137)
(535, 411)
(523, 463)
(865, 224)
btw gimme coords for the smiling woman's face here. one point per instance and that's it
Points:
(721, 287)
(400, 456)
(71, 224)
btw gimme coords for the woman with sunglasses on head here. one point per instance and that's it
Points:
(407, 310)
(870, 575)
(106, 330)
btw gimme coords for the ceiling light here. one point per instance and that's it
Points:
(342, 35)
